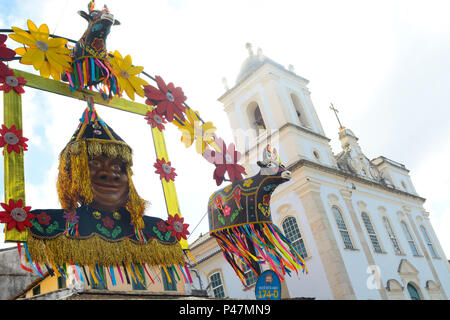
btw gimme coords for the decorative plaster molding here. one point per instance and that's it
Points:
(284, 209)
(393, 285)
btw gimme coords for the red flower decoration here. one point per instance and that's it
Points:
(225, 162)
(108, 222)
(12, 138)
(169, 100)
(5, 53)
(10, 81)
(165, 170)
(177, 227)
(219, 202)
(16, 215)
(155, 120)
(161, 226)
(43, 218)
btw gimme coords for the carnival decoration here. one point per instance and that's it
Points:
(109, 227)
(240, 220)
(91, 62)
(93, 232)
(48, 55)
(12, 139)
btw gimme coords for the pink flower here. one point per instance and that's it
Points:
(226, 211)
(225, 162)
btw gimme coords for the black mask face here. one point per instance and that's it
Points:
(93, 42)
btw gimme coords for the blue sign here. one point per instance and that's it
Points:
(268, 286)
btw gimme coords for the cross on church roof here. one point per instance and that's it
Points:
(336, 112)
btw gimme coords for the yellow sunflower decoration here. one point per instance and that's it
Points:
(48, 55)
(127, 75)
(193, 129)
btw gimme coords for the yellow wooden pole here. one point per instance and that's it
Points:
(170, 193)
(14, 176)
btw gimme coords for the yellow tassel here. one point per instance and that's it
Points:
(167, 274)
(130, 271)
(91, 268)
(193, 259)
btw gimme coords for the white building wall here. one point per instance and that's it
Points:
(315, 283)
(355, 261)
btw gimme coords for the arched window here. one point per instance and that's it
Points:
(217, 285)
(292, 232)
(259, 121)
(411, 242)
(392, 236)
(299, 110)
(342, 228)
(371, 232)
(413, 292)
(428, 241)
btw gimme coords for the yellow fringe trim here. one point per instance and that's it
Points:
(96, 250)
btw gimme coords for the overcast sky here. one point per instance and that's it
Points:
(384, 65)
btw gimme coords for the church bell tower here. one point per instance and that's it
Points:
(270, 104)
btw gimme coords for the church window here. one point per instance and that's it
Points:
(217, 285)
(413, 292)
(342, 228)
(292, 232)
(316, 155)
(299, 110)
(411, 242)
(371, 232)
(391, 235)
(428, 241)
(259, 121)
(249, 275)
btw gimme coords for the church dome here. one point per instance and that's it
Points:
(252, 63)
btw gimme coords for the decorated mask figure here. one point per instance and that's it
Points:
(102, 218)
(109, 181)
(240, 219)
(93, 41)
(91, 62)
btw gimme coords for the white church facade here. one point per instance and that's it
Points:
(359, 224)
